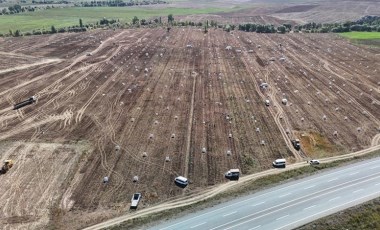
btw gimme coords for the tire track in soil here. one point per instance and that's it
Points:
(213, 191)
(274, 114)
(190, 126)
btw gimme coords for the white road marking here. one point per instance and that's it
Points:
(279, 189)
(309, 207)
(358, 190)
(230, 213)
(255, 227)
(327, 210)
(353, 173)
(257, 204)
(287, 194)
(332, 179)
(290, 202)
(282, 217)
(334, 198)
(310, 187)
(198, 225)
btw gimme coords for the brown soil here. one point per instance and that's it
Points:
(299, 8)
(140, 82)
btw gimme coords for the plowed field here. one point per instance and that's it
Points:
(118, 103)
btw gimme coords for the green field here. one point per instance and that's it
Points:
(362, 35)
(62, 17)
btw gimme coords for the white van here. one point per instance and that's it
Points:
(279, 163)
(181, 181)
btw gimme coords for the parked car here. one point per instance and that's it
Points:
(267, 102)
(314, 162)
(233, 174)
(279, 163)
(181, 181)
(135, 200)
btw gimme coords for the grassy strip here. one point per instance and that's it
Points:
(361, 35)
(247, 188)
(363, 38)
(363, 216)
(63, 17)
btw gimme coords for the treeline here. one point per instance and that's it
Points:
(49, 2)
(367, 23)
(16, 9)
(259, 28)
(118, 3)
(105, 24)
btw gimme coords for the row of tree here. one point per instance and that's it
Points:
(369, 23)
(259, 28)
(15, 9)
(118, 3)
(48, 2)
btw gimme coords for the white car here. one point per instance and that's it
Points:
(314, 162)
(135, 200)
(181, 181)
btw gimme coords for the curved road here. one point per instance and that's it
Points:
(289, 205)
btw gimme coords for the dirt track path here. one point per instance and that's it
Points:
(275, 110)
(42, 62)
(190, 127)
(181, 202)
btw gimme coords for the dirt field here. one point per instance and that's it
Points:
(149, 94)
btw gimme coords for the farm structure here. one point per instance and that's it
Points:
(144, 105)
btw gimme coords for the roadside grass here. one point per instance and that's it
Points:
(361, 35)
(364, 38)
(363, 216)
(245, 189)
(63, 17)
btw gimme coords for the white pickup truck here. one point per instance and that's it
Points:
(135, 200)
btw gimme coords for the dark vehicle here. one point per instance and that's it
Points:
(31, 100)
(296, 144)
(233, 174)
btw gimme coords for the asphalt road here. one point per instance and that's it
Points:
(289, 205)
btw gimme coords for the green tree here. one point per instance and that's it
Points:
(17, 33)
(53, 30)
(17, 8)
(281, 29)
(135, 20)
(80, 22)
(170, 18)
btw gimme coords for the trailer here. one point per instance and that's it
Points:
(29, 101)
